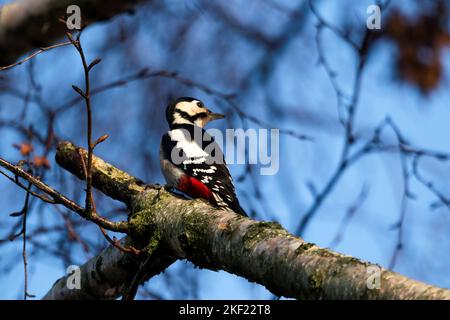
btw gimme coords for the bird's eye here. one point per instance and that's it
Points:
(199, 104)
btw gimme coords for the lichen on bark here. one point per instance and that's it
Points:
(171, 227)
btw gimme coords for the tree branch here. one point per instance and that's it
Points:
(111, 181)
(59, 198)
(28, 24)
(262, 252)
(107, 275)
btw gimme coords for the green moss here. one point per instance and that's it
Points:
(153, 243)
(143, 230)
(139, 222)
(143, 205)
(192, 239)
(262, 230)
(346, 261)
(143, 227)
(325, 253)
(109, 170)
(65, 147)
(315, 281)
(194, 230)
(303, 247)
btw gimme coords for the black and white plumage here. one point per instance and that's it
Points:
(191, 161)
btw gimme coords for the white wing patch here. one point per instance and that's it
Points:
(206, 179)
(190, 148)
(219, 200)
(211, 169)
(194, 160)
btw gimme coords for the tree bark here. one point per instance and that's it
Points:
(108, 275)
(170, 227)
(28, 24)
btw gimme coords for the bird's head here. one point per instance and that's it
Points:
(186, 110)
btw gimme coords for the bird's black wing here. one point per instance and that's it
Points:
(209, 168)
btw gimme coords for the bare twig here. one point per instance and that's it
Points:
(61, 199)
(26, 294)
(347, 120)
(407, 194)
(145, 73)
(90, 207)
(86, 95)
(322, 22)
(69, 226)
(35, 194)
(354, 207)
(41, 50)
(442, 199)
(116, 243)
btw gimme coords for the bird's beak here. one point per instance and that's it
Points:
(214, 116)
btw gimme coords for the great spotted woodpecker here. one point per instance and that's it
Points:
(191, 161)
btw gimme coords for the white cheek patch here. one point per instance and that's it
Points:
(190, 108)
(178, 119)
(190, 148)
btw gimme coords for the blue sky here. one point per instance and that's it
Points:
(302, 88)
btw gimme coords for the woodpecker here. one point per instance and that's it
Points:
(191, 161)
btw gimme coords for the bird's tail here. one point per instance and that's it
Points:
(236, 207)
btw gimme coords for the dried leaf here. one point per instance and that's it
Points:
(41, 161)
(419, 57)
(25, 148)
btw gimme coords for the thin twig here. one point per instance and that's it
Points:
(62, 199)
(354, 207)
(348, 121)
(116, 243)
(41, 50)
(26, 294)
(87, 98)
(90, 207)
(443, 200)
(35, 194)
(145, 73)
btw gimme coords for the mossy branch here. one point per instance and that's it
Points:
(108, 275)
(111, 181)
(261, 252)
